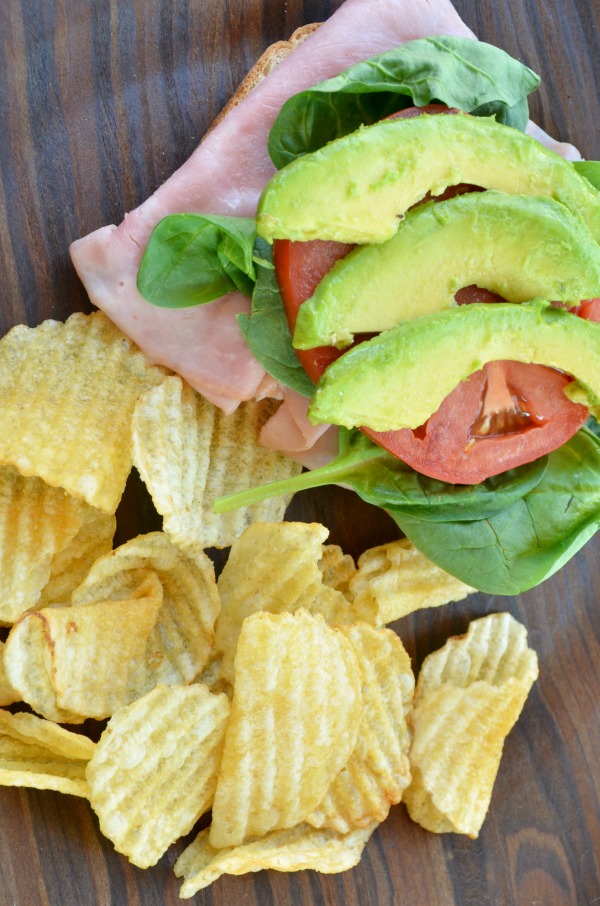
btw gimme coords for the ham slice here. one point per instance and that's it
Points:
(290, 430)
(225, 175)
(569, 152)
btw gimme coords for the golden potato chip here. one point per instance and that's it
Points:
(294, 722)
(70, 566)
(336, 567)
(275, 567)
(31, 729)
(37, 753)
(378, 769)
(493, 650)
(458, 736)
(68, 392)
(28, 665)
(154, 770)
(189, 453)
(468, 697)
(90, 654)
(294, 849)
(180, 643)
(402, 580)
(37, 522)
(8, 695)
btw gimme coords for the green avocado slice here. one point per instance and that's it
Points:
(357, 188)
(400, 378)
(518, 246)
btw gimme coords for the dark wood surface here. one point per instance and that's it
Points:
(100, 101)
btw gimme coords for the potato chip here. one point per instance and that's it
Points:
(180, 644)
(68, 392)
(458, 736)
(31, 729)
(154, 770)
(403, 580)
(91, 657)
(378, 769)
(189, 453)
(37, 753)
(70, 566)
(37, 522)
(293, 849)
(336, 567)
(493, 650)
(469, 695)
(8, 695)
(28, 665)
(294, 722)
(275, 567)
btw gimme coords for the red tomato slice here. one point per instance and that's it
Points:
(503, 416)
(300, 266)
(590, 310)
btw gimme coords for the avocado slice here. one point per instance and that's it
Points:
(400, 378)
(518, 246)
(356, 188)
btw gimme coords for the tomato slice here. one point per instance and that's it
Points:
(504, 415)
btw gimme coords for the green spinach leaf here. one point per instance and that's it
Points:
(266, 329)
(528, 541)
(590, 169)
(191, 259)
(381, 479)
(471, 75)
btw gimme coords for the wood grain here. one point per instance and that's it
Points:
(101, 100)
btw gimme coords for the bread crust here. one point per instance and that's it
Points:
(263, 66)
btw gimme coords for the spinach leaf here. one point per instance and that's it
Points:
(590, 169)
(527, 542)
(459, 72)
(266, 329)
(191, 259)
(381, 479)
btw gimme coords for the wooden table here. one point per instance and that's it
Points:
(101, 100)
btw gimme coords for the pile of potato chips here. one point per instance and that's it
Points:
(275, 696)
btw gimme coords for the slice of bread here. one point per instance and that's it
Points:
(264, 65)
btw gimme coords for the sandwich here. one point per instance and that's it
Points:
(483, 522)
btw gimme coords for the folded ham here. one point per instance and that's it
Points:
(225, 175)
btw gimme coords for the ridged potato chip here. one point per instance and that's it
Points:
(58, 740)
(468, 697)
(403, 580)
(458, 736)
(493, 650)
(189, 453)
(8, 695)
(37, 753)
(275, 567)
(28, 666)
(70, 566)
(294, 721)
(180, 643)
(37, 522)
(294, 849)
(68, 392)
(89, 654)
(378, 769)
(154, 770)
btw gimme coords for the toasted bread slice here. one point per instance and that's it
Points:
(264, 65)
